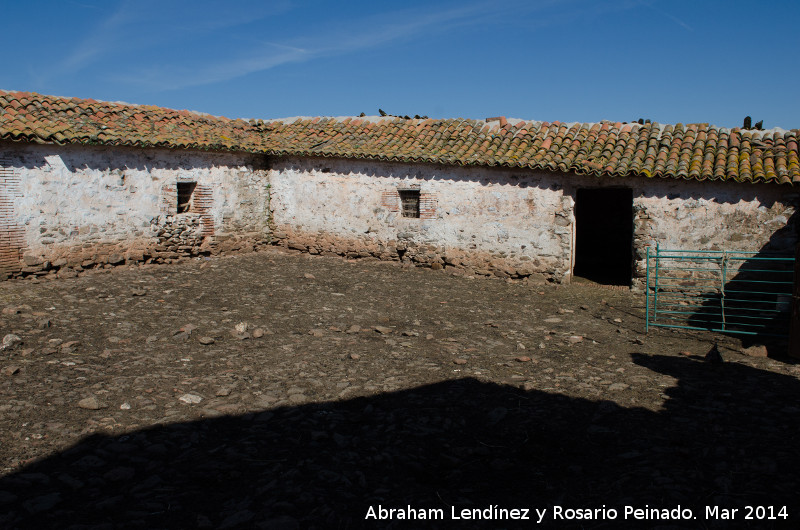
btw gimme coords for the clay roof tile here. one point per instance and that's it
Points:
(696, 151)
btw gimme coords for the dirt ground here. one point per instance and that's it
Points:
(281, 390)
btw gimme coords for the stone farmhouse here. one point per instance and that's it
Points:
(86, 184)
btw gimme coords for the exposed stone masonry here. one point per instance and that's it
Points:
(408, 251)
(180, 235)
(174, 238)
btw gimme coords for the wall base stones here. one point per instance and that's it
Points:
(408, 251)
(180, 235)
(174, 238)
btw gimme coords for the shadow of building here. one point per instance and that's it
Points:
(725, 437)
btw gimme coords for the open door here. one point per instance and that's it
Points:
(604, 235)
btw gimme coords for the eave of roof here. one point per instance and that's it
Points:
(694, 151)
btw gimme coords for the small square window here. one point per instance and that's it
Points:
(185, 191)
(409, 199)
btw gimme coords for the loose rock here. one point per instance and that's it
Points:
(91, 403)
(190, 398)
(10, 341)
(10, 370)
(756, 351)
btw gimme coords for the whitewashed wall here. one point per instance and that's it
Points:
(87, 206)
(77, 207)
(692, 215)
(491, 221)
(509, 222)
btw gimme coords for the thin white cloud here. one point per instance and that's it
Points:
(83, 5)
(673, 18)
(97, 42)
(143, 24)
(404, 25)
(162, 78)
(132, 27)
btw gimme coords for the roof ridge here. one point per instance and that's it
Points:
(118, 104)
(379, 119)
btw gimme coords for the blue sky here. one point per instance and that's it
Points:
(570, 60)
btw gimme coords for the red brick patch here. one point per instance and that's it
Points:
(427, 205)
(12, 236)
(391, 200)
(202, 203)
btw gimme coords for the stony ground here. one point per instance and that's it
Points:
(287, 391)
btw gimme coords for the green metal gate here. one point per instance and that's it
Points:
(727, 291)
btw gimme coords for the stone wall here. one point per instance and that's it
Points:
(64, 209)
(505, 222)
(80, 207)
(693, 215)
(484, 221)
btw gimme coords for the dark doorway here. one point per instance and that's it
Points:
(604, 235)
(185, 191)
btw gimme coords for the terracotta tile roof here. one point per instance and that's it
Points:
(32, 117)
(696, 151)
(700, 152)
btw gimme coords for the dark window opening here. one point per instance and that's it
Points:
(185, 191)
(409, 199)
(604, 235)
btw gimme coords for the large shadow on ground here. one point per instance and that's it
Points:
(728, 436)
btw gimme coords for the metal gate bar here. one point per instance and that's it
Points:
(719, 290)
